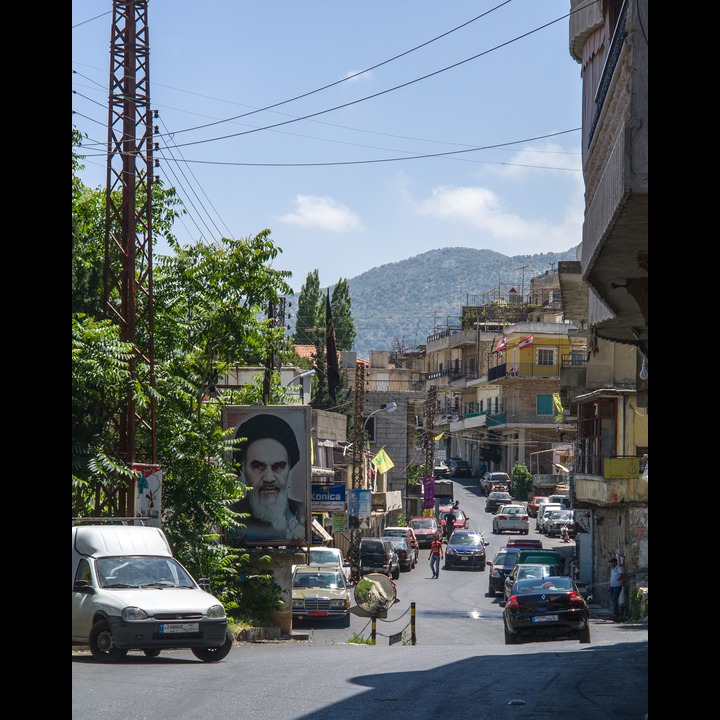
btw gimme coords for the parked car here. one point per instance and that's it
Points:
(564, 500)
(406, 555)
(329, 556)
(379, 556)
(496, 499)
(534, 504)
(513, 518)
(556, 520)
(320, 592)
(466, 548)
(504, 561)
(545, 508)
(440, 469)
(525, 543)
(546, 609)
(544, 557)
(490, 480)
(461, 519)
(425, 529)
(528, 570)
(404, 532)
(459, 468)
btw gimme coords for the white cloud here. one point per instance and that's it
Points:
(323, 213)
(484, 211)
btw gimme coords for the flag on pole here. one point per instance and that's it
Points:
(525, 342)
(382, 461)
(501, 344)
(333, 372)
(439, 437)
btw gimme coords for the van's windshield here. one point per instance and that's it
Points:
(134, 571)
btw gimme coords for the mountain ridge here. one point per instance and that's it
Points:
(400, 303)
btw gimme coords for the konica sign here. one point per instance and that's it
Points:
(328, 498)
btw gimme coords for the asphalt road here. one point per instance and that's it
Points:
(459, 657)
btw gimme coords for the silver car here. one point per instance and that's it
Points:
(556, 520)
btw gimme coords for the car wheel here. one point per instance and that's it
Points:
(494, 530)
(396, 574)
(102, 645)
(152, 652)
(585, 635)
(215, 654)
(482, 567)
(510, 639)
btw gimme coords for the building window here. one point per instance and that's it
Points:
(497, 404)
(544, 405)
(546, 356)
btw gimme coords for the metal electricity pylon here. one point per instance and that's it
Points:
(128, 287)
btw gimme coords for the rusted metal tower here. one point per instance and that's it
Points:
(128, 290)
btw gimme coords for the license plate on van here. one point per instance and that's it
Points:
(169, 628)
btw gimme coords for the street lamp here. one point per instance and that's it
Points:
(355, 531)
(301, 380)
(385, 407)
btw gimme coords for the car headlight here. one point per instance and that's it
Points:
(216, 612)
(134, 613)
(450, 551)
(341, 604)
(298, 604)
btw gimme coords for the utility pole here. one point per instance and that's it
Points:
(128, 287)
(429, 438)
(522, 283)
(358, 461)
(270, 361)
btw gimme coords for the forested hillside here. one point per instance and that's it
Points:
(399, 304)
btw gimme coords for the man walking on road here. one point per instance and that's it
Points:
(436, 552)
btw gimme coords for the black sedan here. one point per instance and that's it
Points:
(550, 608)
(496, 499)
(466, 548)
(459, 468)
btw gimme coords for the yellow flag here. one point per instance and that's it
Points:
(439, 437)
(557, 403)
(382, 461)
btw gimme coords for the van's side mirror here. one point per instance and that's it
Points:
(82, 586)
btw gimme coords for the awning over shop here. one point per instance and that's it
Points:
(318, 529)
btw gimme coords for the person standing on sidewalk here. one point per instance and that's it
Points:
(436, 552)
(616, 577)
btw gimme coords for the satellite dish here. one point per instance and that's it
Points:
(375, 593)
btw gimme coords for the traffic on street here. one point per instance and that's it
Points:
(456, 615)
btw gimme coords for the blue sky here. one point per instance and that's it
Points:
(366, 179)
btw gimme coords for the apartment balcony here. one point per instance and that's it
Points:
(614, 249)
(603, 481)
(523, 370)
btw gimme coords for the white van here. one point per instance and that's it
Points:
(129, 593)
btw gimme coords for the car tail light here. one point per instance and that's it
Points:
(524, 517)
(502, 517)
(576, 598)
(512, 602)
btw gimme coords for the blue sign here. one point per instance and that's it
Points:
(327, 498)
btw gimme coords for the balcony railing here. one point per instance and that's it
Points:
(522, 370)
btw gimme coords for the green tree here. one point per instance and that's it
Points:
(341, 304)
(310, 314)
(521, 481)
(209, 312)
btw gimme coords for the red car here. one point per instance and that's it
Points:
(532, 506)
(461, 519)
